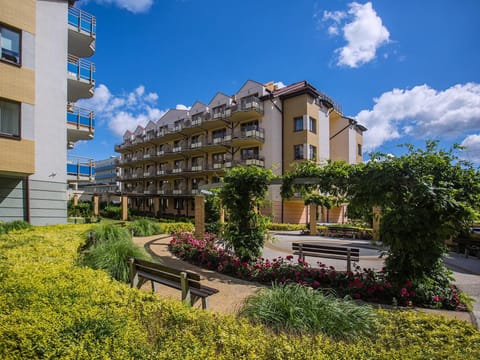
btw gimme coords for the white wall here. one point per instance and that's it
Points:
(323, 134)
(352, 146)
(51, 47)
(272, 123)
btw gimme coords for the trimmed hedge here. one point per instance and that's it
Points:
(172, 228)
(52, 308)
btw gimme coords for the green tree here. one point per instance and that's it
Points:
(243, 192)
(426, 196)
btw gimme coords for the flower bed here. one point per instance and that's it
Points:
(362, 284)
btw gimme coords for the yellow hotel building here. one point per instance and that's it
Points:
(165, 164)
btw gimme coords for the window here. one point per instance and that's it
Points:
(252, 125)
(312, 125)
(312, 152)
(9, 118)
(359, 149)
(298, 123)
(10, 44)
(219, 134)
(250, 153)
(218, 158)
(197, 161)
(298, 152)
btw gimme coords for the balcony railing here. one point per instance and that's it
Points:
(80, 167)
(81, 69)
(80, 117)
(82, 21)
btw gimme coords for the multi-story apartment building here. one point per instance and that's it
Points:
(106, 184)
(42, 75)
(165, 164)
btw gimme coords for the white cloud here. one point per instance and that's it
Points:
(422, 112)
(134, 6)
(182, 107)
(472, 151)
(123, 112)
(363, 31)
(279, 85)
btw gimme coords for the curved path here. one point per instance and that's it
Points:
(232, 291)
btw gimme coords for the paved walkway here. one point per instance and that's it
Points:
(233, 291)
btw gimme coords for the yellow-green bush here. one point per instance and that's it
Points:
(170, 228)
(52, 308)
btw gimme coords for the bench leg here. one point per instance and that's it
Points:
(204, 303)
(349, 266)
(186, 295)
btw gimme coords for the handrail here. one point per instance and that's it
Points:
(80, 116)
(80, 166)
(82, 20)
(83, 69)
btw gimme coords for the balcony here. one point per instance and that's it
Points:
(80, 169)
(254, 160)
(81, 32)
(252, 136)
(247, 110)
(81, 78)
(80, 123)
(222, 165)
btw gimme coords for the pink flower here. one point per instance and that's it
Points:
(436, 298)
(289, 257)
(404, 292)
(315, 284)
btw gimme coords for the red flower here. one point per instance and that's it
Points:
(408, 283)
(315, 284)
(404, 292)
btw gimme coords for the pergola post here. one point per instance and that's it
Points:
(377, 210)
(313, 219)
(124, 207)
(199, 216)
(156, 206)
(75, 199)
(95, 204)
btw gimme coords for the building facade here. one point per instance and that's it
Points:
(42, 75)
(106, 184)
(165, 164)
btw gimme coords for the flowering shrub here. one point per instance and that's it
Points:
(361, 284)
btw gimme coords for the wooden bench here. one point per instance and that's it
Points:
(326, 251)
(186, 281)
(342, 231)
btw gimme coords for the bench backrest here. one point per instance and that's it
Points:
(165, 272)
(327, 250)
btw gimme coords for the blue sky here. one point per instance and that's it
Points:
(408, 70)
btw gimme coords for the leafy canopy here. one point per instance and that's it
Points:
(242, 194)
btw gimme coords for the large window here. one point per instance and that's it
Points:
(9, 118)
(250, 153)
(312, 124)
(298, 153)
(10, 44)
(312, 152)
(298, 123)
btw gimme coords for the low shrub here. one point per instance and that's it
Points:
(6, 227)
(51, 308)
(104, 233)
(145, 227)
(364, 284)
(177, 227)
(298, 309)
(112, 212)
(285, 227)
